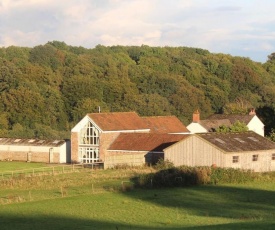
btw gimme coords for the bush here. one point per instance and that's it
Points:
(163, 164)
(231, 175)
(186, 176)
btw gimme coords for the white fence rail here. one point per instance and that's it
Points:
(41, 171)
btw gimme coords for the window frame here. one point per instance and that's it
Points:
(235, 159)
(255, 157)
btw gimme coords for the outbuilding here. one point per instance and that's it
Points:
(244, 150)
(34, 150)
(92, 137)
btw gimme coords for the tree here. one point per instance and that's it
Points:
(271, 135)
(236, 127)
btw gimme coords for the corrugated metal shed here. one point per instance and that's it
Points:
(31, 142)
(238, 141)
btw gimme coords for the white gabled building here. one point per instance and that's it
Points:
(213, 122)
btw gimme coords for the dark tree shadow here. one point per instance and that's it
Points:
(254, 207)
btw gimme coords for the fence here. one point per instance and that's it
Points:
(41, 171)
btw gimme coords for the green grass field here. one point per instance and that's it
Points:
(94, 200)
(15, 165)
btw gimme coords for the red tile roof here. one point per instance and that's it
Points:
(145, 141)
(165, 124)
(118, 121)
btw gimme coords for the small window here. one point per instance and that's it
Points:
(273, 156)
(255, 157)
(235, 159)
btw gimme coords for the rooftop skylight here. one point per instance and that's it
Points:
(253, 138)
(239, 139)
(219, 140)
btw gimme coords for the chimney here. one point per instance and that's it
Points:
(196, 116)
(252, 112)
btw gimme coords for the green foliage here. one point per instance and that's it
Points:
(170, 176)
(163, 164)
(230, 175)
(55, 84)
(236, 127)
(239, 106)
(271, 135)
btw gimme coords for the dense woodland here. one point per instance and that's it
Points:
(47, 89)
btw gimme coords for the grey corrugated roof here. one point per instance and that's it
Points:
(211, 125)
(232, 117)
(31, 142)
(239, 141)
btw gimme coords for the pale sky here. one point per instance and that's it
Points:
(238, 27)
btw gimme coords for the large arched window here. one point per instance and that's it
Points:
(89, 144)
(89, 135)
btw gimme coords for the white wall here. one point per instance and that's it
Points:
(195, 127)
(256, 125)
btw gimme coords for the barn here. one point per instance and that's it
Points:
(34, 150)
(244, 150)
(93, 135)
(136, 149)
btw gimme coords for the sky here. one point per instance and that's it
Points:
(237, 27)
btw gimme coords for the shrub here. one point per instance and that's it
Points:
(163, 164)
(186, 176)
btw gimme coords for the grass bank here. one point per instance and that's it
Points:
(95, 199)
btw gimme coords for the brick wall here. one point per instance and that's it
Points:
(114, 158)
(105, 140)
(74, 147)
(23, 156)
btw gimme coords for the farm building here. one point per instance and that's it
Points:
(215, 121)
(92, 136)
(34, 150)
(140, 148)
(245, 150)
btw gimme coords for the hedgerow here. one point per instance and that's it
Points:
(186, 176)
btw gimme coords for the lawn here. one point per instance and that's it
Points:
(93, 200)
(16, 165)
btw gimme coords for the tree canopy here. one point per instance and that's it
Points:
(47, 89)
